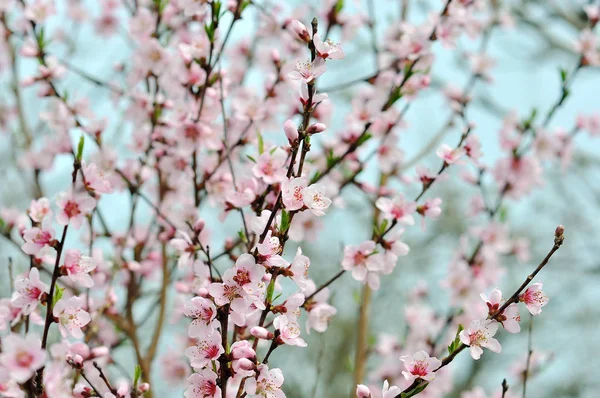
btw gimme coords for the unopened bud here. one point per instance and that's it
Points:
(144, 387)
(199, 226)
(291, 132)
(363, 391)
(101, 351)
(300, 29)
(315, 128)
(559, 236)
(261, 333)
(245, 364)
(275, 56)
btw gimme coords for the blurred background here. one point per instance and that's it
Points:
(526, 76)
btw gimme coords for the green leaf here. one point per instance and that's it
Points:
(285, 221)
(363, 138)
(339, 6)
(242, 236)
(382, 227)
(503, 214)
(137, 374)
(456, 342)
(563, 75)
(80, 148)
(57, 295)
(270, 290)
(261, 143)
(210, 32)
(418, 389)
(251, 158)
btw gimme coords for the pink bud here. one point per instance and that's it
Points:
(261, 333)
(275, 56)
(316, 128)
(245, 364)
(291, 132)
(299, 28)
(101, 351)
(242, 349)
(363, 391)
(199, 226)
(144, 387)
(560, 230)
(78, 360)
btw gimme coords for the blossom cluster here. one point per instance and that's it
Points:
(194, 148)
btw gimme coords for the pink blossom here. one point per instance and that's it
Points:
(319, 316)
(40, 10)
(270, 251)
(203, 384)
(534, 298)
(38, 209)
(327, 49)
(73, 208)
(95, 179)
(509, 318)
(71, 316)
(37, 239)
(299, 269)
(420, 366)
(267, 383)
(363, 263)
(289, 331)
(479, 335)
(270, 167)
(397, 209)
(314, 198)
(363, 391)
(203, 312)
(308, 71)
(207, 349)
(29, 292)
(449, 155)
(292, 193)
(22, 356)
(78, 268)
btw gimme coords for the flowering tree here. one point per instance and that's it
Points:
(190, 195)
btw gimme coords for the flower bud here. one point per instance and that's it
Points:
(261, 333)
(363, 391)
(299, 28)
(291, 132)
(275, 56)
(101, 351)
(245, 364)
(242, 349)
(144, 387)
(315, 128)
(199, 226)
(560, 230)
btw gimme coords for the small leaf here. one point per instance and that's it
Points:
(137, 374)
(285, 221)
(251, 158)
(563, 75)
(456, 342)
(57, 295)
(418, 389)
(363, 138)
(242, 236)
(339, 6)
(261, 143)
(80, 148)
(270, 290)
